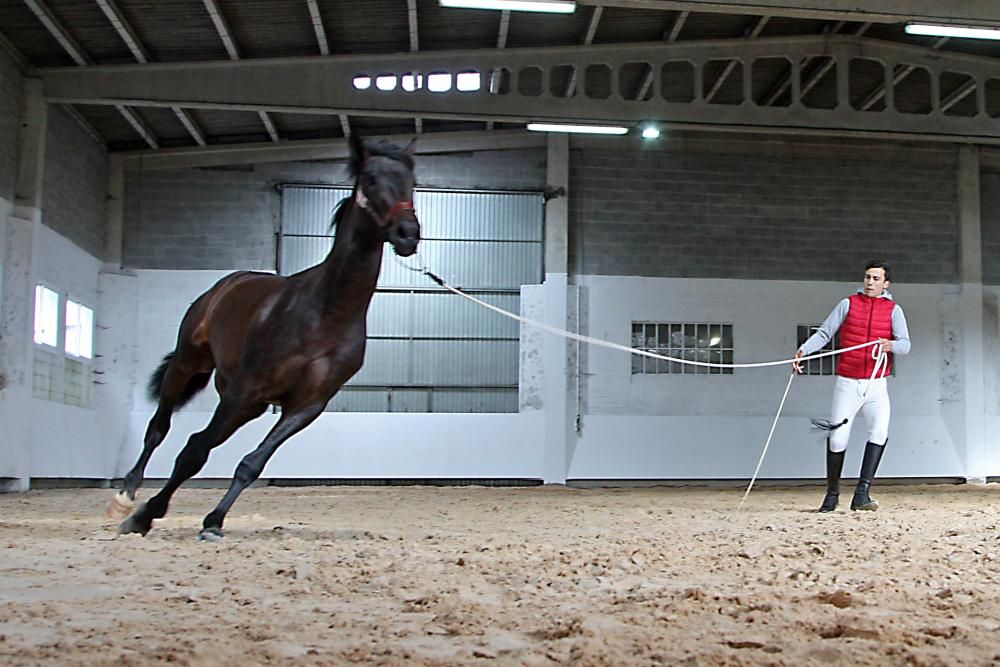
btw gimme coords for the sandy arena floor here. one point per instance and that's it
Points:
(476, 576)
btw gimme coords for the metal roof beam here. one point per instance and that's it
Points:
(588, 39)
(190, 125)
(318, 27)
(124, 30)
(753, 33)
(20, 60)
(325, 149)
(978, 12)
(226, 35)
(131, 39)
(501, 44)
(222, 28)
(898, 74)
(84, 123)
(411, 16)
(139, 125)
(59, 32)
(670, 36)
(323, 86)
(816, 75)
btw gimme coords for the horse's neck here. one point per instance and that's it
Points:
(350, 271)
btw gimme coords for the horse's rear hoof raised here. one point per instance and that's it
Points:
(120, 506)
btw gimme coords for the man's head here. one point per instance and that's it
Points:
(876, 278)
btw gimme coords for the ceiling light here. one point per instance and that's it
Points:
(952, 31)
(650, 132)
(582, 129)
(554, 6)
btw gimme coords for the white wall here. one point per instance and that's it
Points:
(65, 440)
(714, 426)
(633, 426)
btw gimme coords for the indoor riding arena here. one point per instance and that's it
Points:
(606, 332)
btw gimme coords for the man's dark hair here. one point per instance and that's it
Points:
(879, 264)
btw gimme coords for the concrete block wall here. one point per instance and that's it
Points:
(227, 218)
(199, 219)
(75, 187)
(763, 209)
(11, 93)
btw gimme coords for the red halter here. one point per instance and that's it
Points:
(396, 208)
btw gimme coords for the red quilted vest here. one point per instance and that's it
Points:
(867, 319)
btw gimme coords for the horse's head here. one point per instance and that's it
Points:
(384, 189)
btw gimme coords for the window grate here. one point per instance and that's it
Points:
(824, 366)
(693, 341)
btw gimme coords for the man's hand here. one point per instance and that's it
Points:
(886, 344)
(797, 366)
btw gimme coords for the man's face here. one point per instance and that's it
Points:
(875, 282)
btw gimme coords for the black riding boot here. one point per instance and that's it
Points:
(873, 454)
(834, 466)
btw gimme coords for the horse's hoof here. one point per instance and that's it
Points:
(120, 506)
(130, 525)
(210, 535)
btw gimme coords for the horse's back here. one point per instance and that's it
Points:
(221, 317)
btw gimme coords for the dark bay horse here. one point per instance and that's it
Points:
(271, 340)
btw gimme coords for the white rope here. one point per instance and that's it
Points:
(878, 353)
(644, 353)
(767, 443)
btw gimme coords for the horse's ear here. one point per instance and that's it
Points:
(411, 147)
(358, 151)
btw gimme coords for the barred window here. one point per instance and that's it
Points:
(694, 341)
(825, 365)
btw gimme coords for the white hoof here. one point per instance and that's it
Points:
(120, 506)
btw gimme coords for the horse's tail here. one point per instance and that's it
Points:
(194, 385)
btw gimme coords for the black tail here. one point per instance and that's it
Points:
(194, 385)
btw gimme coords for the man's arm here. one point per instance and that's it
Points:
(829, 327)
(900, 332)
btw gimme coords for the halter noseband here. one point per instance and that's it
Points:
(393, 211)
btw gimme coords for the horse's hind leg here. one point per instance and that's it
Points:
(183, 377)
(291, 422)
(228, 417)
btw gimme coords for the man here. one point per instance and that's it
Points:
(869, 315)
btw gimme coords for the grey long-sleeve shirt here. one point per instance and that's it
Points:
(833, 322)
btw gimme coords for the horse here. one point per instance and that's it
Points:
(289, 341)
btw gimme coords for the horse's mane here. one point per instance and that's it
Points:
(372, 148)
(339, 211)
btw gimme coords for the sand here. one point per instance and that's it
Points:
(486, 576)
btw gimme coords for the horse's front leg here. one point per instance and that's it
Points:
(293, 420)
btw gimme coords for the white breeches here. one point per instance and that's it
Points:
(848, 398)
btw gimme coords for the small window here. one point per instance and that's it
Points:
(693, 341)
(825, 365)
(79, 330)
(46, 316)
(466, 81)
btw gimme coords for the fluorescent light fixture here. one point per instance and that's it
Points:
(650, 132)
(582, 129)
(952, 31)
(552, 6)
